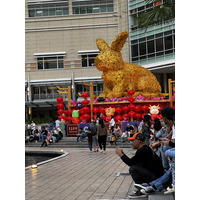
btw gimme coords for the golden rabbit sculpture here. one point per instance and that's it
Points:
(118, 74)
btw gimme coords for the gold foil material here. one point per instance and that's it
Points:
(118, 74)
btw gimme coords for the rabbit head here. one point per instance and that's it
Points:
(110, 58)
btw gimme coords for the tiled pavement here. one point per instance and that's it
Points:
(81, 175)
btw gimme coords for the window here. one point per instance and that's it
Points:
(48, 8)
(92, 6)
(88, 60)
(54, 62)
(148, 47)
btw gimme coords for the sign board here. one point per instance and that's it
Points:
(72, 130)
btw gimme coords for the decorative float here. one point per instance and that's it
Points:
(129, 90)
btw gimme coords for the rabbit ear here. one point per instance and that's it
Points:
(119, 41)
(101, 44)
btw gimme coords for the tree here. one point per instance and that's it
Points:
(162, 10)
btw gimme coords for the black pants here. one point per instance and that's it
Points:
(102, 140)
(141, 175)
(90, 142)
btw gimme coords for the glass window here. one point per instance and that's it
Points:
(151, 49)
(159, 44)
(110, 8)
(50, 62)
(91, 60)
(89, 9)
(102, 8)
(31, 13)
(54, 8)
(82, 10)
(84, 61)
(142, 47)
(76, 10)
(88, 60)
(93, 6)
(168, 42)
(52, 12)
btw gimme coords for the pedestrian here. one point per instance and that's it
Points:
(102, 134)
(89, 138)
(62, 126)
(146, 131)
(112, 123)
(51, 126)
(93, 128)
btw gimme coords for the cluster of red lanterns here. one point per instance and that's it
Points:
(63, 114)
(84, 112)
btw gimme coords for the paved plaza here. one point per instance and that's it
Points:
(80, 175)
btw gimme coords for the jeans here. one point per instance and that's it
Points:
(43, 137)
(141, 174)
(158, 183)
(165, 161)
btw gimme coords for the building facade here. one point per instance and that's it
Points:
(60, 48)
(152, 47)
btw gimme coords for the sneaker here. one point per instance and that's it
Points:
(170, 190)
(147, 190)
(136, 195)
(141, 186)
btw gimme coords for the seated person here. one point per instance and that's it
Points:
(43, 135)
(55, 134)
(117, 131)
(35, 136)
(81, 135)
(145, 166)
(128, 128)
(160, 183)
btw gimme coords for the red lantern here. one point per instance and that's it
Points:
(131, 107)
(145, 108)
(86, 110)
(60, 117)
(108, 118)
(66, 112)
(125, 116)
(137, 109)
(118, 110)
(118, 118)
(131, 114)
(75, 120)
(59, 100)
(85, 95)
(138, 116)
(125, 109)
(131, 99)
(60, 112)
(102, 110)
(60, 106)
(81, 118)
(86, 117)
(70, 112)
(95, 110)
(131, 92)
(81, 112)
(104, 117)
(158, 3)
(85, 102)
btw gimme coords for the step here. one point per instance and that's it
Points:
(71, 142)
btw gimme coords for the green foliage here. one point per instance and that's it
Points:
(158, 14)
(38, 120)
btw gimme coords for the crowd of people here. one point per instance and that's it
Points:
(48, 134)
(152, 168)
